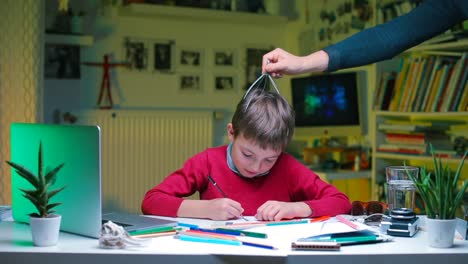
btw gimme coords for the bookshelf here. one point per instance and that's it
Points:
(444, 112)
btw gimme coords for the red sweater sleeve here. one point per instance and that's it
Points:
(165, 198)
(322, 197)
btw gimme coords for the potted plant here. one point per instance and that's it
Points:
(442, 198)
(45, 224)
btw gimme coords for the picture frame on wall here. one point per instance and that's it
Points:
(225, 58)
(189, 57)
(164, 56)
(190, 82)
(62, 61)
(136, 53)
(253, 67)
(225, 83)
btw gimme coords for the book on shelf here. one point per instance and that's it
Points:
(400, 79)
(444, 80)
(405, 138)
(460, 89)
(384, 91)
(452, 83)
(425, 83)
(421, 87)
(403, 148)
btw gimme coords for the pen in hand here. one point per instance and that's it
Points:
(221, 191)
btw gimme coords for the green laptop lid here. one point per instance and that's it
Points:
(78, 147)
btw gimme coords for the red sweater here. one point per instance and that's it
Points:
(288, 181)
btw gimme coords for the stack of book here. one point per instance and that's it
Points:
(425, 83)
(410, 137)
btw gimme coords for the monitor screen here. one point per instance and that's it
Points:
(326, 104)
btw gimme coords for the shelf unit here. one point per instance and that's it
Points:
(200, 14)
(69, 39)
(380, 160)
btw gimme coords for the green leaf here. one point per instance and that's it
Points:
(50, 206)
(50, 177)
(54, 192)
(25, 173)
(39, 164)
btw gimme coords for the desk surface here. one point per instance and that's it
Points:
(16, 247)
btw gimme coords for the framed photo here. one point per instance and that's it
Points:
(62, 62)
(164, 58)
(190, 57)
(224, 57)
(225, 82)
(190, 82)
(254, 64)
(136, 53)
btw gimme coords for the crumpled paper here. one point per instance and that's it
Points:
(114, 236)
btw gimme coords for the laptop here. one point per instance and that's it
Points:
(79, 147)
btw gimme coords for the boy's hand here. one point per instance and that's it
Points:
(223, 209)
(275, 210)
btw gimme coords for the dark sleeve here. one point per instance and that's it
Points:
(384, 41)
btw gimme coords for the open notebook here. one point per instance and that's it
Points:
(79, 147)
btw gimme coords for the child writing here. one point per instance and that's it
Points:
(251, 176)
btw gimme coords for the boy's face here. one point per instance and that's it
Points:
(248, 157)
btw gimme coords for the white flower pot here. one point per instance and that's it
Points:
(45, 231)
(440, 232)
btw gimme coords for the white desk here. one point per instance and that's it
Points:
(16, 247)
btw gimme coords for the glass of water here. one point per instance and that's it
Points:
(400, 188)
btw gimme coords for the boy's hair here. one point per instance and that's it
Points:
(265, 117)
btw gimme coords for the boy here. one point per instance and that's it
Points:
(252, 175)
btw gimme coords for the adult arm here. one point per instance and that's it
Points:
(384, 41)
(381, 42)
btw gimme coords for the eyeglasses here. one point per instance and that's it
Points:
(373, 211)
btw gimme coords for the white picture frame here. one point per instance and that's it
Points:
(190, 58)
(225, 83)
(225, 58)
(190, 83)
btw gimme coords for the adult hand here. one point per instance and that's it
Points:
(275, 210)
(279, 62)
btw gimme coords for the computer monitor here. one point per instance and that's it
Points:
(327, 104)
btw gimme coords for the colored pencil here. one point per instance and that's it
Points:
(187, 225)
(265, 223)
(347, 222)
(320, 219)
(168, 233)
(152, 230)
(293, 222)
(221, 192)
(242, 233)
(213, 240)
(208, 240)
(258, 245)
(207, 234)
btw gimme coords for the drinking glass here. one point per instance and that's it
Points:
(400, 188)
